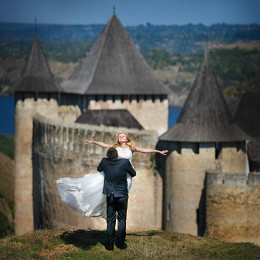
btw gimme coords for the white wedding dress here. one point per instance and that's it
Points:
(85, 194)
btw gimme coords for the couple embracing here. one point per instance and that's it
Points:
(116, 191)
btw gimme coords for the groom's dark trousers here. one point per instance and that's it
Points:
(118, 205)
(115, 188)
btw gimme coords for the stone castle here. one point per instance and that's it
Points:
(203, 187)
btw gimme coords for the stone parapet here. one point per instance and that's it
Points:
(233, 210)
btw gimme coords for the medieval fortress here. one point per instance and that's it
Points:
(204, 186)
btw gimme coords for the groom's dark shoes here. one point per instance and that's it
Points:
(109, 247)
(121, 246)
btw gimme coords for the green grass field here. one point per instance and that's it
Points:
(82, 244)
(7, 148)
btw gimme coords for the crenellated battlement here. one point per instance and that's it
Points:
(215, 178)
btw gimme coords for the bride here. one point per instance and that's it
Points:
(85, 194)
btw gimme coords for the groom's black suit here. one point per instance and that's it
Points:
(115, 188)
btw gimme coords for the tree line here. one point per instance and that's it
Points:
(178, 39)
(162, 46)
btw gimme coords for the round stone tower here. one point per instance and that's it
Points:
(35, 92)
(204, 137)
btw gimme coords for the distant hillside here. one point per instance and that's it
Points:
(178, 39)
(173, 52)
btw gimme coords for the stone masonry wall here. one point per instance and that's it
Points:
(151, 115)
(185, 175)
(232, 159)
(24, 112)
(233, 206)
(60, 151)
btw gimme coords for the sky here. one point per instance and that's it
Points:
(131, 12)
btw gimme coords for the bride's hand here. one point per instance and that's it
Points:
(88, 141)
(163, 152)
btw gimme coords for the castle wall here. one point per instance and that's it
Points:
(59, 151)
(152, 115)
(23, 170)
(185, 183)
(233, 159)
(233, 210)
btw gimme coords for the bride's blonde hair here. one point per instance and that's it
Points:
(129, 143)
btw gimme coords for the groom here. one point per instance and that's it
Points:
(115, 188)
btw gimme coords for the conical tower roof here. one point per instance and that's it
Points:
(36, 75)
(114, 66)
(205, 116)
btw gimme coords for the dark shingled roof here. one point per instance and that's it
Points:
(247, 115)
(117, 118)
(114, 66)
(36, 75)
(205, 116)
(253, 150)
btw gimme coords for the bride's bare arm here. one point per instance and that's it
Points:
(147, 150)
(104, 145)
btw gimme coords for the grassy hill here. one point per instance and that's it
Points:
(6, 184)
(7, 145)
(82, 244)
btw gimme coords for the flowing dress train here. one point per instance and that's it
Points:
(85, 194)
